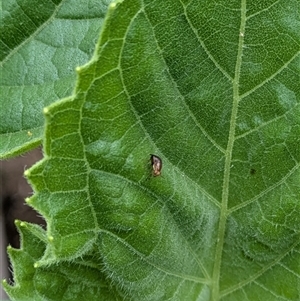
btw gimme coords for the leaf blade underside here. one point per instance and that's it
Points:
(189, 82)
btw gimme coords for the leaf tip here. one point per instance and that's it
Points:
(22, 224)
(36, 265)
(28, 201)
(5, 284)
(114, 4)
(46, 111)
(27, 173)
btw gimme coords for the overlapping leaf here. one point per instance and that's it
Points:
(214, 91)
(41, 43)
(58, 282)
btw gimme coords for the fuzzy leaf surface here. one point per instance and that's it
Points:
(213, 90)
(32, 282)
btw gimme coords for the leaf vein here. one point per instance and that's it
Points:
(219, 147)
(243, 283)
(261, 194)
(218, 66)
(145, 259)
(270, 77)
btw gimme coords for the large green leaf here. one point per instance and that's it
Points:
(212, 89)
(42, 41)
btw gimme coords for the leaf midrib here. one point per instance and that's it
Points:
(228, 156)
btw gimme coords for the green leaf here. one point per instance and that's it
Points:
(42, 42)
(33, 281)
(213, 90)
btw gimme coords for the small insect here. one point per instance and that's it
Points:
(156, 165)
